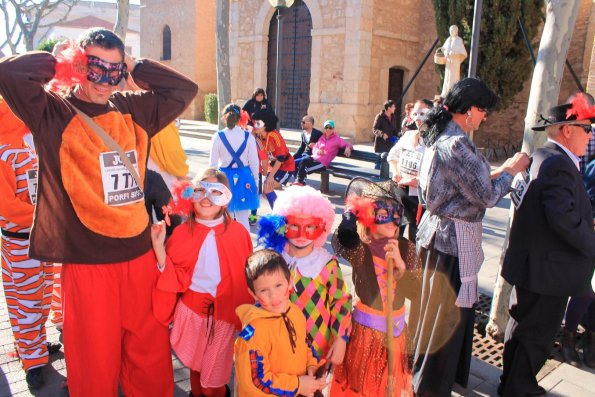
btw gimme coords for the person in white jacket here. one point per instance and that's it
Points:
(234, 152)
(404, 160)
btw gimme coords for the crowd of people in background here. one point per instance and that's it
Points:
(154, 260)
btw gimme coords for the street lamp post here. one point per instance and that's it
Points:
(475, 39)
(279, 4)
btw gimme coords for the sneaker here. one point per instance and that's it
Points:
(252, 219)
(34, 378)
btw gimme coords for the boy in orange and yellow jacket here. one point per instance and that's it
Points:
(272, 355)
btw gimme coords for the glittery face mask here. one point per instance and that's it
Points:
(387, 212)
(216, 192)
(100, 71)
(309, 227)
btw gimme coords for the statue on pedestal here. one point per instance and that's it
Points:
(455, 53)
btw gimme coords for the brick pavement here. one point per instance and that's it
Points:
(12, 377)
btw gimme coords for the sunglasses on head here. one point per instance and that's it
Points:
(484, 111)
(100, 71)
(586, 127)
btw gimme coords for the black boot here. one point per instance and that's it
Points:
(34, 378)
(569, 353)
(53, 348)
(589, 349)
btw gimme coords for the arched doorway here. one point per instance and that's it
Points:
(294, 97)
(395, 87)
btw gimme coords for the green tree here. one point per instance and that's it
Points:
(504, 62)
(47, 45)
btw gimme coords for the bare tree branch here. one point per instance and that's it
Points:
(30, 15)
(62, 19)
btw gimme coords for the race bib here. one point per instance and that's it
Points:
(32, 185)
(409, 162)
(119, 186)
(519, 187)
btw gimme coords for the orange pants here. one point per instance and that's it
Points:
(110, 332)
(28, 289)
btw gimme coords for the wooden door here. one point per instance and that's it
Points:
(395, 87)
(295, 72)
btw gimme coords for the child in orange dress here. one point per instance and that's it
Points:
(367, 237)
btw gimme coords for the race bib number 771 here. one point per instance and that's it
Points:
(119, 186)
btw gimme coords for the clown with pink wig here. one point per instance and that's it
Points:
(301, 221)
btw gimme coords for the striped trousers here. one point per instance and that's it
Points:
(307, 166)
(28, 291)
(56, 306)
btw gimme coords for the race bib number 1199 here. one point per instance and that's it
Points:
(119, 187)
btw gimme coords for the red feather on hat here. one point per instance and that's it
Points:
(71, 68)
(363, 209)
(581, 108)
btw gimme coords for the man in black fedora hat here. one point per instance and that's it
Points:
(552, 245)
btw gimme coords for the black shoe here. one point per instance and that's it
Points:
(34, 378)
(539, 392)
(53, 347)
(589, 348)
(568, 348)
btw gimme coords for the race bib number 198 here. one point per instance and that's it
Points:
(119, 187)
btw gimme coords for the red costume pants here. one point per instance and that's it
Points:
(110, 332)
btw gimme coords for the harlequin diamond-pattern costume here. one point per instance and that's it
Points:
(325, 302)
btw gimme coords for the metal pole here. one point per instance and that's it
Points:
(475, 39)
(390, 346)
(416, 73)
(279, 65)
(568, 65)
(527, 41)
(574, 76)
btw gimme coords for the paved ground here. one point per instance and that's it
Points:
(558, 379)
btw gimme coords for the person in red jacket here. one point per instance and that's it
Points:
(204, 262)
(282, 164)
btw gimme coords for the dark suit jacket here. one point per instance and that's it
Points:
(382, 125)
(552, 243)
(304, 148)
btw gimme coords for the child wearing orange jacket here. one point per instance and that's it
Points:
(272, 355)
